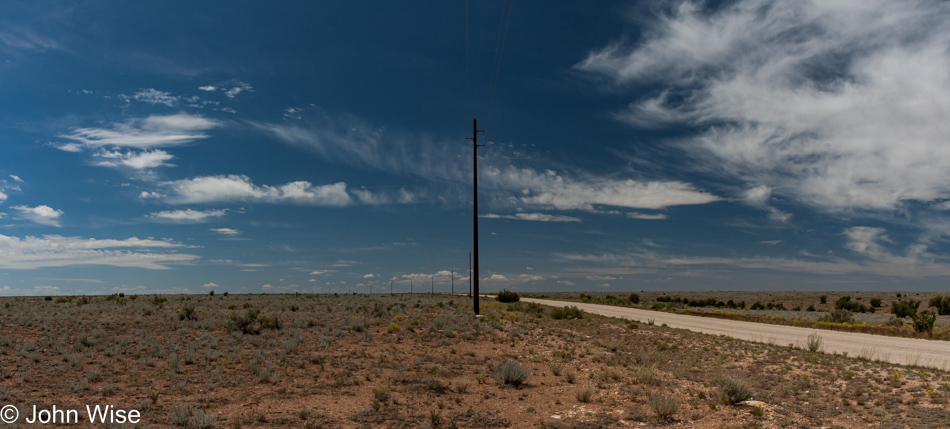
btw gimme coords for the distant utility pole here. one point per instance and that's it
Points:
(475, 146)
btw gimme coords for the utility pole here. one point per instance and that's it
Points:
(475, 146)
(469, 274)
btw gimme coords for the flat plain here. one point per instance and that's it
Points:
(421, 360)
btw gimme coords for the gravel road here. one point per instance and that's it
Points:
(903, 351)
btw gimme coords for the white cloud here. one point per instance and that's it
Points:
(3, 197)
(188, 215)
(43, 214)
(135, 160)
(759, 197)
(550, 189)
(840, 105)
(210, 285)
(646, 216)
(154, 96)
(530, 278)
(69, 147)
(206, 189)
(146, 195)
(153, 131)
(208, 88)
(16, 178)
(369, 276)
(227, 231)
(239, 88)
(58, 251)
(538, 217)
(496, 278)
(353, 141)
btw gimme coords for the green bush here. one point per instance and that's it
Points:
(876, 302)
(634, 298)
(845, 303)
(823, 299)
(905, 308)
(188, 312)
(566, 312)
(508, 296)
(924, 321)
(247, 323)
(942, 303)
(510, 373)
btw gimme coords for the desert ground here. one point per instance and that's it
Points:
(421, 360)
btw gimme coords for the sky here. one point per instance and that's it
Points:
(248, 147)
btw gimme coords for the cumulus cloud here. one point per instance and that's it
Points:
(43, 214)
(840, 105)
(210, 285)
(134, 160)
(207, 189)
(538, 217)
(154, 96)
(187, 215)
(58, 251)
(143, 133)
(3, 197)
(208, 88)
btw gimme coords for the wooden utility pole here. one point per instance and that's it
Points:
(475, 146)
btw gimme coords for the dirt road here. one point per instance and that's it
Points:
(904, 351)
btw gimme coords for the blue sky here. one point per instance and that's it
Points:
(175, 147)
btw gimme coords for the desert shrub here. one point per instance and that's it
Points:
(158, 301)
(510, 373)
(584, 395)
(247, 324)
(823, 299)
(905, 308)
(814, 342)
(664, 406)
(837, 316)
(733, 391)
(876, 302)
(634, 298)
(188, 312)
(845, 303)
(566, 312)
(810, 308)
(942, 303)
(757, 306)
(924, 321)
(507, 296)
(180, 414)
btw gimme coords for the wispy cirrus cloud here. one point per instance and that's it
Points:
(233, 188)
(537, 217)
(838, 105)
(58, 251)
(353, 141)
(143, 133)
(154, 96)
(227, 232)
(187, 215)
(135, 160)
